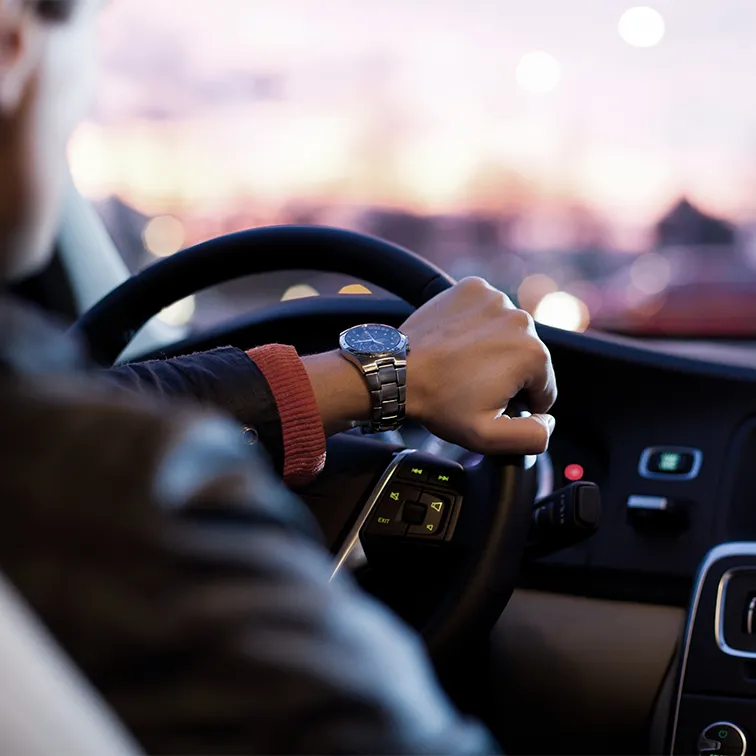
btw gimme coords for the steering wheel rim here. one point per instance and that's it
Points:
(505, 486)
(109, 326)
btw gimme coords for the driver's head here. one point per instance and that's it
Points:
(46, 73)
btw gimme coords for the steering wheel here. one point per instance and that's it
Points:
(443, 541)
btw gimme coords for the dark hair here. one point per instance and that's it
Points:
(54, 10)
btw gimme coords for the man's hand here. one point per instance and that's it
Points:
(471, 353)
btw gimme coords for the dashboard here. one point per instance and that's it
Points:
(670, 439)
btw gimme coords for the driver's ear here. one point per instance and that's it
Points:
(21, 50)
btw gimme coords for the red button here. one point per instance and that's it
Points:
(574, 472)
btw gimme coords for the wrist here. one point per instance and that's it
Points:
(340, 390)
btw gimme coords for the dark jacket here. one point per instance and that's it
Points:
(182, 577)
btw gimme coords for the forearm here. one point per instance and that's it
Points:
(289, 404)
(224, 379)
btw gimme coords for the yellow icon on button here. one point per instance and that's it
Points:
(384, 520)
(394, 495)
(430, 526)
(437, 505)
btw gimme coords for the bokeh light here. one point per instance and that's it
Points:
(164, 235)
(90, 161)
(179, 313)
(642, 26)
(354, 289)
(563, 310)
(539, 72)
(651, 273)
(299, 291)
(533, 289)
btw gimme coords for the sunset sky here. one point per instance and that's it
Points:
(416, 103)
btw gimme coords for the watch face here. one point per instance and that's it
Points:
(372, 338)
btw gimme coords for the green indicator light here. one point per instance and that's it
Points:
(669, 461)
(417, 470)
(444, 478)
(723, 734)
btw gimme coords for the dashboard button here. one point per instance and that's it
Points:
(649, 503)
(678, 463)
(670, 463)
(658, 513)
(722, 739)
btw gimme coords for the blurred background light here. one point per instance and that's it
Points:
(641, 27)
(538, 72)
(299, 291)
(533, 289)
(179, 313)
(651, 273)
(354, 289)
(562, 310)
(90, 161)
(164, 235)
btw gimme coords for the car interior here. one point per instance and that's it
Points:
(598, 598)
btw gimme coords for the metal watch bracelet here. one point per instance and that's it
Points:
(387, 382)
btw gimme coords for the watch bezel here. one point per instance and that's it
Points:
(402, 346)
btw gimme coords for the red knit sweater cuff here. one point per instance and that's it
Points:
(301, 425)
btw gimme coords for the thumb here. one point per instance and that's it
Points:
(512, 435)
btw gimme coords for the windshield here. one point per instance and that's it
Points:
(596, 161)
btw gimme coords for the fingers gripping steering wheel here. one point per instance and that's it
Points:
(448, 563)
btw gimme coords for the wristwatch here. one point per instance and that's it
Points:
(380, 353)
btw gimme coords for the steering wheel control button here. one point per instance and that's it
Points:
(432, 524)
(670, 463)
(417, 472)
(414, 514)
(430, 470)
(387, 517)
(445, 477)
(722, 739)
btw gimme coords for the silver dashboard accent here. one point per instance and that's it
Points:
(719, 615)
(750, 628)
(723, 551)
(544, 476)
(654, 503)
(352, 540)
(644, 472)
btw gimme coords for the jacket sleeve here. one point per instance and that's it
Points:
(225, 379)
(198, 602)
